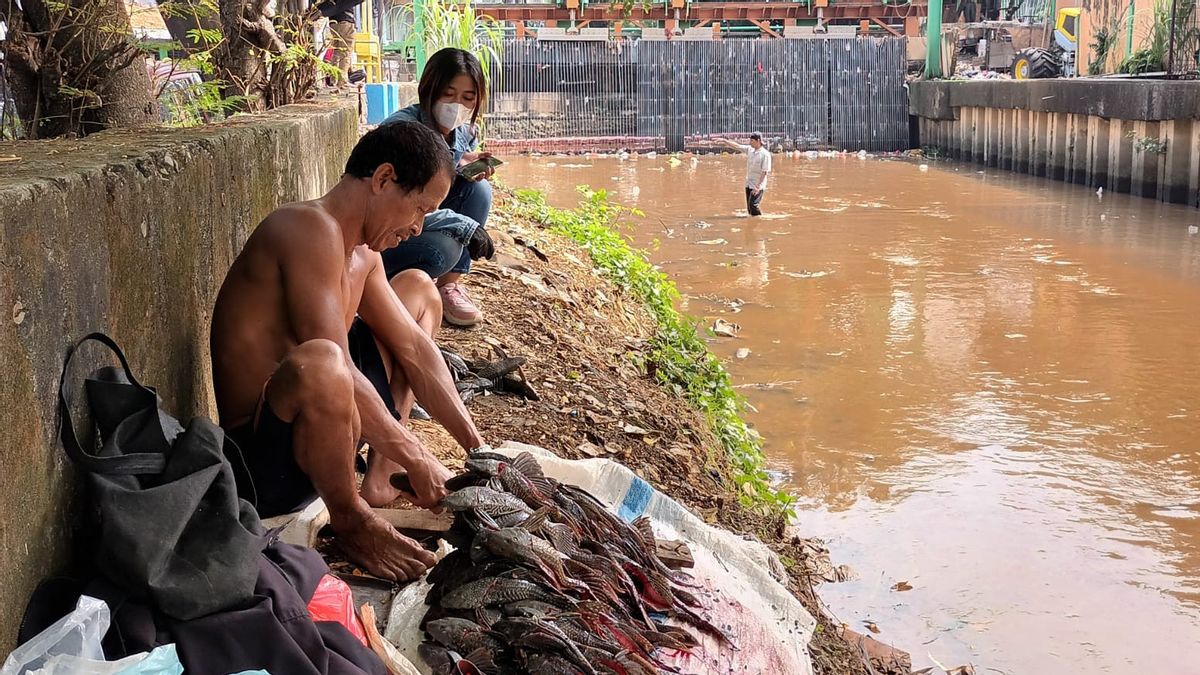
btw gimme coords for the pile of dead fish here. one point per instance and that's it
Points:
(473, 377)
(546, 580)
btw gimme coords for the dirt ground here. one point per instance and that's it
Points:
(581, 335)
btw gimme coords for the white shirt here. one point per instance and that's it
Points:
(758, 164)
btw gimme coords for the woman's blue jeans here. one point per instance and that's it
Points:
(435, 251)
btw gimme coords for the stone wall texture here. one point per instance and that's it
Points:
(129, 233)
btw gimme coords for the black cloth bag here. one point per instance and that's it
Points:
(176, 555)
(161, 500)
(272, 630)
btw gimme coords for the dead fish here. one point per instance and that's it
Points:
(670, 637)
(544, 637)
(597, 618)
(494, 370)
(457, 365)
(520, 545)
(500, 591)
(464, 573)
(484, 500)
(531, 609)
(444, 661)
(489, 464)
(549, 664)
(483, 616)
(465, 636)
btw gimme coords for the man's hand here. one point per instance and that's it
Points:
(480, 245)
(428, 479)
(755, 192)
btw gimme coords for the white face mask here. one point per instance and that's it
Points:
(451, 115)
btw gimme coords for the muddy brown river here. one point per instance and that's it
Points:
(982, 384)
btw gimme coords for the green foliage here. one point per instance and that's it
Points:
(1102, 45)
(190, 104)
(678, 357)
(1154, 56)
(1148, 144)
(208, 37)
(450, 23)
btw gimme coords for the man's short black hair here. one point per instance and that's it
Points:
(756, 137)
(416, 152)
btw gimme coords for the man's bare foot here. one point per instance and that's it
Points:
(371, 542)
(376, 488)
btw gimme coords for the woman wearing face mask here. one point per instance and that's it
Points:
(451, 95)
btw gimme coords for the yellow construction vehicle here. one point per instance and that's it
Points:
(1059, 60)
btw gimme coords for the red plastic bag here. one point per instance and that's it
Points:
(333, 601)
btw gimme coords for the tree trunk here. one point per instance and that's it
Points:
(241, 58)
(181, 17)
(73, 67)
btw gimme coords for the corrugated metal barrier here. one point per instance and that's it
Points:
(802, 94)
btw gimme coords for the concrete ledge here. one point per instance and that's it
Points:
(128, 233)
(1134, 100)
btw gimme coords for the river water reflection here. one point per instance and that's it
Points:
(979, 383)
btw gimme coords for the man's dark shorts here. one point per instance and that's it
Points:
(266, 471)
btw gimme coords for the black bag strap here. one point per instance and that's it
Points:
(131, 464)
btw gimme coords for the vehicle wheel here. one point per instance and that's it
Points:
(1034, 64)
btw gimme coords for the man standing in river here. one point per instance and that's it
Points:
(758, 165)
(314, 351)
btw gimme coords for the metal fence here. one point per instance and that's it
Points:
(803, 94)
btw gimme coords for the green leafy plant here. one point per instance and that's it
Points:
(1155, 55)
(1102, 45)
(678, 357)
(450, 23)
(1148, 144)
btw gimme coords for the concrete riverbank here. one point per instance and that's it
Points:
(1135, 136)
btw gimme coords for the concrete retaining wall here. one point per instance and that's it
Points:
(131, 234)
(1141, 137)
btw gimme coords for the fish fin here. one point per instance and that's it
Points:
(486, 521)
(538, 520)
(478, 662)
(643, 525)
(544, 485)
(526, 464)
(494, 483)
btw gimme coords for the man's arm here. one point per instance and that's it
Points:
(419, 357)
(734, 145)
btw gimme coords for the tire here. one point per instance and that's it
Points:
(1034, 64)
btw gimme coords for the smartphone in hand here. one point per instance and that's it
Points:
(479, 167)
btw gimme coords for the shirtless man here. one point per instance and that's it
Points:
(311, 346)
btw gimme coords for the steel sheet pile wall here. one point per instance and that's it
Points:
(564, 89)
(818, 93)
(869, 105)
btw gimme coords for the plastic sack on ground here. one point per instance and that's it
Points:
(768, 624)
(72, 647)
(334, 601)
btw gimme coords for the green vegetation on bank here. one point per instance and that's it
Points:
(678, 357)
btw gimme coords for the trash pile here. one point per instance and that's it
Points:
(545, 579)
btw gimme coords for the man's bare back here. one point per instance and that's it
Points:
(281, 356)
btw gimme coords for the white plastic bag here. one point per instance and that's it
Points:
(770, 624)
(72, 647)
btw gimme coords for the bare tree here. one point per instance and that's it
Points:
(73, 67)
